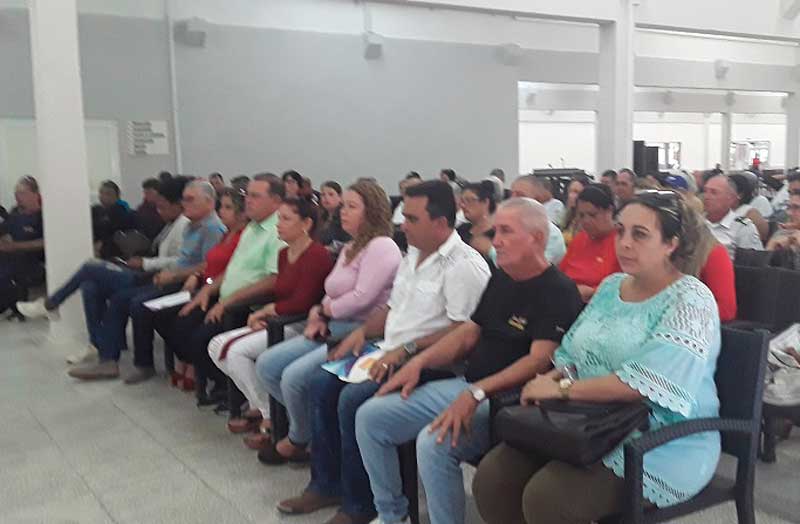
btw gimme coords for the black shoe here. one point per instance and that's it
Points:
(211, 399)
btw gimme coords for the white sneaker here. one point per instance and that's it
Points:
(36, 309)
(90, 354)
(378, 520)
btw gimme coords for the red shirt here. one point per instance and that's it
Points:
(218, 256)
(301, 284)
(588, 261)
(717, 274)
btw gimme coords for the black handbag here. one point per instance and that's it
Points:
(578, 433)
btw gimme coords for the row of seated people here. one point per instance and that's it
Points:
(650, 330)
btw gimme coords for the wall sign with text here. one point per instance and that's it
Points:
(148, 137)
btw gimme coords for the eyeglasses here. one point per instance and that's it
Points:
(470, 200)
(794, 207)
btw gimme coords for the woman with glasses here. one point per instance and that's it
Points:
(591, 257)
(649, 334)
(478, 204)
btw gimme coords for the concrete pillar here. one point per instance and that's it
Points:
(725, 142)
(792, 131)
(615, 99)
(61, 147)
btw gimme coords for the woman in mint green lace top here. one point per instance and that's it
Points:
(665, 348)
(650, 333)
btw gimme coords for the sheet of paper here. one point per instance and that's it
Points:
(167, 301)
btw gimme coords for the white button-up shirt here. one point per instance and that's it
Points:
(446, 287)
(733, 232)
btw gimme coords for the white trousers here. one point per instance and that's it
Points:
(240, 362)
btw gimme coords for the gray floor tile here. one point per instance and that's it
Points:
(105, 452)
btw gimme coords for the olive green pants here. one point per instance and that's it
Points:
(512, 487)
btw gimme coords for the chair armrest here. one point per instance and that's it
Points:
(635, 450)
(276, 324)
(283, 320)
(659, 437)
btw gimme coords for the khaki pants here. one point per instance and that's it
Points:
(512, 487)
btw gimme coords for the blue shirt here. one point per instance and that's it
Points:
(199, 238)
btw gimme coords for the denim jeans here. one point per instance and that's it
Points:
(383, 423)
(336, 465)
(97, 281)
(285, 370)
(112, 332)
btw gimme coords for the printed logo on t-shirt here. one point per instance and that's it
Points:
(518, 322)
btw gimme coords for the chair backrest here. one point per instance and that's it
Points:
(752, 257)
(740, 384)
(787, 301)
(756, 291)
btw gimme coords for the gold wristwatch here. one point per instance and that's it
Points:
(564, 385)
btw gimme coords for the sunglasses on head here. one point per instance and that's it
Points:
(663, 200)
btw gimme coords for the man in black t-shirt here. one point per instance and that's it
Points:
(524, 312)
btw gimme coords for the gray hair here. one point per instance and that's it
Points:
(205, 188)
(532, 214)
(499, 189)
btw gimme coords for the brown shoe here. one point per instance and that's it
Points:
(345, 518)
(102, 371)
(308, 502)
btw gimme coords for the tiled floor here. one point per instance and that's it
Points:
(106, 452)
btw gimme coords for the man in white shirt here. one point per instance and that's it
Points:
(720, 198)
(436, 289)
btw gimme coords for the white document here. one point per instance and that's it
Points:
(167, 301)
(789, 338)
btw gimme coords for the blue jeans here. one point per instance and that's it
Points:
(112, 337)
(336, 466)
(383, 423)
(285, 370)
(97, 281)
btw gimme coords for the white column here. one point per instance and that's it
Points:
(615, 99)
(792, 131)
(725, 142)
(61, 145)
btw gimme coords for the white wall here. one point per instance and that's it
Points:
(547, 136)
(773, 128)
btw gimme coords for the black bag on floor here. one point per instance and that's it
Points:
(578, 433)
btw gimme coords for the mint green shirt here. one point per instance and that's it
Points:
(255, 257)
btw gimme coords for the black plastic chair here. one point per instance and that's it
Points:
(279, 419)
(766, 298)
(740, 384)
